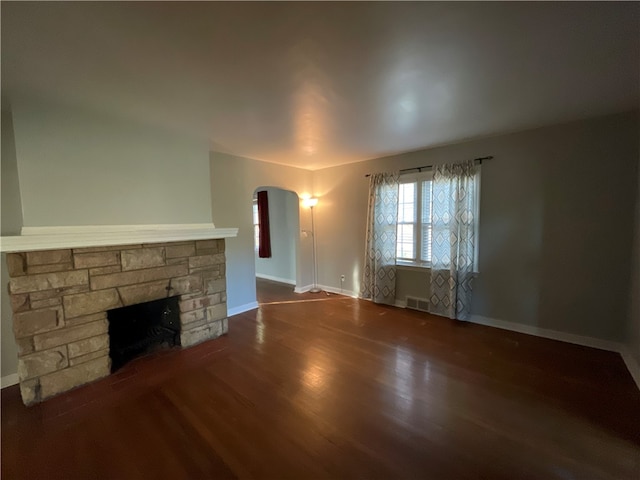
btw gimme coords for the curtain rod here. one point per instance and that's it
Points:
(425, 167)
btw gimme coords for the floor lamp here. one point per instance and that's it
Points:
(312, 202)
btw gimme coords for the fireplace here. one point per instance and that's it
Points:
(142, 328)
(63, 301)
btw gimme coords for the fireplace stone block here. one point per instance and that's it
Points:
(41, 363)
(200, 334)
(143, 292)
(46, 281)
(36, 321)
(91, 302)
(145, 258)
(96, 259)
(68, 378)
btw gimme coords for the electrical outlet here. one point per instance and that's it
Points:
(342, 278)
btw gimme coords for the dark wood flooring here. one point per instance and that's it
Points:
(270, 292)
(336, 387)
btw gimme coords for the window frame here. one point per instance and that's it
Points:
(256, 225)
(418, 178)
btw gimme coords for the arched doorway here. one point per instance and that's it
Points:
(277, 272)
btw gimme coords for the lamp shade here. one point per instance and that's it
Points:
(310, 202)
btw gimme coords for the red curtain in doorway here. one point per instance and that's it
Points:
(264, 247)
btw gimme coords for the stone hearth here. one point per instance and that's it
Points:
(60, 300)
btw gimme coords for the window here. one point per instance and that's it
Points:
(256, 225)
(413, 245)
(414, 234)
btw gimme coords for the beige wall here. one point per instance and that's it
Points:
(233, 181)
(556, 219)
(11, 205)
(79, 167)
(11, 223)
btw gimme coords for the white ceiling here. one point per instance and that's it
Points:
(321, 84)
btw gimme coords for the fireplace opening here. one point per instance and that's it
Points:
(142, 328)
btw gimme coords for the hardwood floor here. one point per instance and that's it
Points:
(340, 388)
(268, 292)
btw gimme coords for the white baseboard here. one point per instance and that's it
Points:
(304, 289)
(9, 380)
(288, 281)
(347, 293)
(241, 309)
(327, 288)
(547, 333)
(632, 365)
(400, 303)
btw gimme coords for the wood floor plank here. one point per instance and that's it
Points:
(334, 387)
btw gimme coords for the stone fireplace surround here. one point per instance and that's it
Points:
(60, 300)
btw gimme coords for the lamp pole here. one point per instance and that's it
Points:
(315, 288)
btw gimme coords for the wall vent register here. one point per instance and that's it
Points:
(416, 303)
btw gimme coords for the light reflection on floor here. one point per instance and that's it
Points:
(404, 381)
(260, 328)
(318, 371)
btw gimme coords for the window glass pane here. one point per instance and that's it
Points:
(407, 203)
(425, 253)
(405, 246)
(426, 201)
(425, 227)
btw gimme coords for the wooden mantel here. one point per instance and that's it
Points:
(49, 238)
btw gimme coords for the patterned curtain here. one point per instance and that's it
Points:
(379, 277)
(453, 244)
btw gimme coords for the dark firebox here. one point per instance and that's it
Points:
(142, 328)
